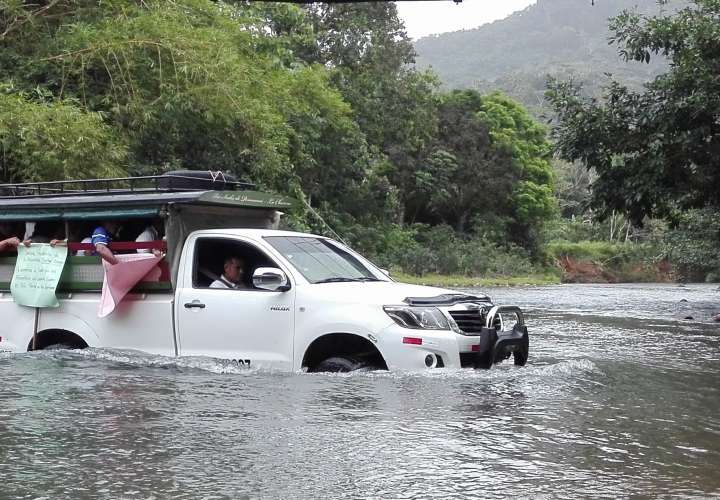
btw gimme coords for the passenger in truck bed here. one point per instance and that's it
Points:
(9, 244)
(150, 233)
(77, 230)
(102, 236)
(45, 232)
(9, 240)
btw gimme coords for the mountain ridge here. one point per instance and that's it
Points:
(559, 38)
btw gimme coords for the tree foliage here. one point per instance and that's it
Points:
(693, 245)
(487, 171)
(369, 54)
(321, 102)
(55, 140)
(183, 84)
(654, 151)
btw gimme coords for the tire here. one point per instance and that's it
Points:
(341, 364)
(57, 347)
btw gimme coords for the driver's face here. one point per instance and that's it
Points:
(234, 270)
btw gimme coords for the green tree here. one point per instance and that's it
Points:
(514, 130)
(572, 187)
(370, 57)
(693, 245)
(452, 184)
(654, 151)
(488, 168)
(192, 84)
(321, 102)
(56, 140)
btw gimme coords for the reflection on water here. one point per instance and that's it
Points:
(620, 398)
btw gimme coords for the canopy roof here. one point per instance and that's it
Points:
(131, 205)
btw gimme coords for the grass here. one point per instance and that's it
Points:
(602, 251)
(465, 281)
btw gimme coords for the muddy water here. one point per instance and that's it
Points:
(620, 398)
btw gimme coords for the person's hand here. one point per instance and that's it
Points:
(110, 259)
(54, 242)
(106, 254)
(27, 242)
(13, 242)
(158, 253)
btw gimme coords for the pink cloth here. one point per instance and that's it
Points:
(123, 276)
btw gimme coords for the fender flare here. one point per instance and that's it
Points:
(67, 322)
(364, 338)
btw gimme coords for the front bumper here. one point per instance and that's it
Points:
(450, 349)
(496, 346)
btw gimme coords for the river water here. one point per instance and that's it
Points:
(620, 398)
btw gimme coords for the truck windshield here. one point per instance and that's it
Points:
(319, 261)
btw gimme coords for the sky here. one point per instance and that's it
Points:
(424, 17)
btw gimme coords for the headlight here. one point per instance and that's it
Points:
(419, 318)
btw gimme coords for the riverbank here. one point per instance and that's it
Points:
(592, 271)
(570, 262)
(465, 281)
(605, 262)
(569, 270)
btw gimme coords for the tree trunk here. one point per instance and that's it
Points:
(461, 223)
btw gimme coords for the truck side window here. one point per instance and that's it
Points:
(212, 254)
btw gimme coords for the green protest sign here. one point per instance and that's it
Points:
(37, 273)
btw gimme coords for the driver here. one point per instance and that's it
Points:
(233, 273)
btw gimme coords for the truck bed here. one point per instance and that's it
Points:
(141, 321)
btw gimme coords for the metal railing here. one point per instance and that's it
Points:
(119, 185)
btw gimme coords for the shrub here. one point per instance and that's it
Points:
(440, 250)
(694, 245)
(604, 252)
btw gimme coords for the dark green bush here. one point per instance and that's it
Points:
(424, 249)
(694, 245)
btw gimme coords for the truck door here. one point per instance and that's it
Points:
(252, 326)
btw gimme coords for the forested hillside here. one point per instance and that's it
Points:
(562, 38)
(324, 103)
(318, 102)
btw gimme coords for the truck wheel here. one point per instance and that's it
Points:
(337, 364)
(57, 347)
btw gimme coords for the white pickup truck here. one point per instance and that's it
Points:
(308, 303)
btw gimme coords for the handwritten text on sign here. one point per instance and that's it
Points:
(37, 273)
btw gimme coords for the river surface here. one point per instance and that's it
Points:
(621, 397)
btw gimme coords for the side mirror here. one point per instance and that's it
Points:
(271, 279)
(385, 271)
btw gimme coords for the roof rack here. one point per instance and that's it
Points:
(123, 185)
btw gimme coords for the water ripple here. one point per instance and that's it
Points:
(620, 398)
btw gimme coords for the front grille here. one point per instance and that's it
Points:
(469, 321)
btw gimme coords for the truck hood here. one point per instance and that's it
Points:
(385, 293)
